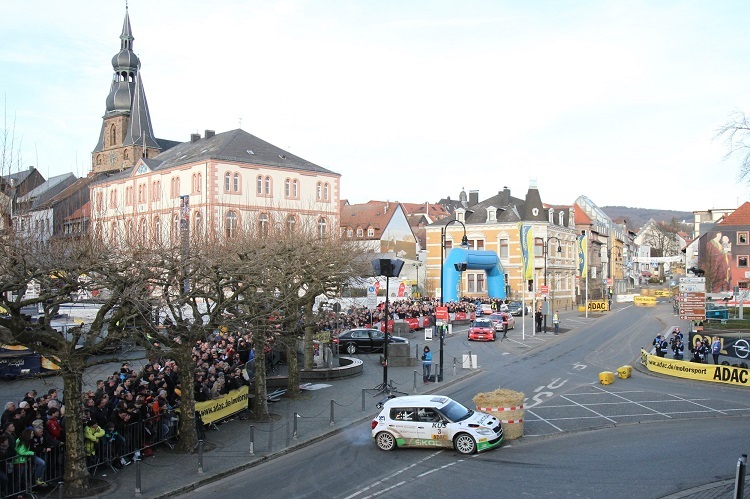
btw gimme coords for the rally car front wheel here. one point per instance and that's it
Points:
(464, 443)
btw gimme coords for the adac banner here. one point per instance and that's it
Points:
(224, 406)
(527, 245)
(692, 370)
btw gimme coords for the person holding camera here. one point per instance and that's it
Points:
(426, 364)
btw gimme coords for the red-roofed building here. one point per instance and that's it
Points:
(724, 252)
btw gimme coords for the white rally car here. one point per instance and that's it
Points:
(434, 421)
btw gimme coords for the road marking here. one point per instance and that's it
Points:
(587, 408)
(388, 477)
(632, 402)
(542, 419)
(699, 405)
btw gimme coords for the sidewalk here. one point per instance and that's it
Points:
(238, 444)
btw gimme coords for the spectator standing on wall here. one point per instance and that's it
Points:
(716, 349)
(426, 364)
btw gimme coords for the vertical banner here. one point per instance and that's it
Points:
(583, 264)
(527, 243)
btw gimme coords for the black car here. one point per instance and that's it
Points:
(516, 308)
(365, 340)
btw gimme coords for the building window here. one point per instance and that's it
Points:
(291, 223)
(349, 233)
(263, 224)
(268, 186)
(742, 261)
(322, 227)
(176, 228)
(287, 188)
(112, 136)
(227, 181)
(113, 199)
(359, 232)
(295, 189)
(259, 185)
(198, 223)
(742, 237)
(318, 191)
(370, 232)
(157, 229)
(538, 247)
(230, 224)
(197, 181)
(470, 283)
(503, 247)
(326, 187)
(236, 182)
(480, 283)
(144, 231)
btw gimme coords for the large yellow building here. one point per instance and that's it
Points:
(493, 225)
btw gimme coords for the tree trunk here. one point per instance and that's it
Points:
(75, 474)
(292, 387)
(309, 332)
(260, 402)
(185, 369)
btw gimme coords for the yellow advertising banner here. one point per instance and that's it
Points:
(692, 370)
(598, 306)
(644, 301)
(662, 292)
(222, 407)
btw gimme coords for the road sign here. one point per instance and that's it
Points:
(691, 288)
(692, 280)
(545, 290)
(441, 313)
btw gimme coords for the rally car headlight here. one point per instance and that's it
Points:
(484, 431)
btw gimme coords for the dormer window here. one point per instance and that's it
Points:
(491, 214)
(551, 215)
(460, 214)
(561, 218)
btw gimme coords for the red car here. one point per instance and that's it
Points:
(482, 329)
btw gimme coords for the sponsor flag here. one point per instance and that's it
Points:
(527, 243)
(583, 264)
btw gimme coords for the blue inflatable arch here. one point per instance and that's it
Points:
(474, 259)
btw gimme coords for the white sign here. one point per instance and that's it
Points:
(428, 334)
(693, 288)
(692, 280)
(372, 298)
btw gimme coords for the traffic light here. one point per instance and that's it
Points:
(531, 284)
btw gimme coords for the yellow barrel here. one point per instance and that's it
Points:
(624, 372)
(606, 377)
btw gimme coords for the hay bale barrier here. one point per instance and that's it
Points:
(507, 406)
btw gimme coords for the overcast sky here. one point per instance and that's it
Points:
(409, 100)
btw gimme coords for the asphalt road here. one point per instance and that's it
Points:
(647, 436)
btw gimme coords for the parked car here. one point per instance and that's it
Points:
(434, 421)
(365, 340)
(497, 320)
(482, 329)
(516, 308)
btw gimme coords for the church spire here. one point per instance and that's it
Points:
(126, 133)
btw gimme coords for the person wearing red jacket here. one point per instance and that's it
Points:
(54, 427)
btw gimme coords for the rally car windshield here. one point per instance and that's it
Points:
(456, 412)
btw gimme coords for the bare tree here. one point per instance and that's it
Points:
(62, 272)
(736, 133)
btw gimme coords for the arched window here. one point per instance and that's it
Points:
(359, 232)
(295, 189)
(325, 191)
(227, 181)
(291, 223)
(287, 188)
(230, 224)
(177, 187)
(157, 229)
(199, 180)
(144, 231)
(268, 186)
(318, 191)
(113, 234)
(175, 228)
(236, 184)
(198, 223)
(263, 224)
(322, 227)
(259, 185)
(112, 135)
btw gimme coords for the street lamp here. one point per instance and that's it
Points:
(465, 245)
(544, 251)
(386, 267)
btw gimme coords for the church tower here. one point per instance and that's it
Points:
(126, 134)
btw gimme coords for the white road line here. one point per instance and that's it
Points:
(699, 405)
(362, 491)
(542, 419)
(633, 402)
(440, 468)
(381, 492)
(587, 408)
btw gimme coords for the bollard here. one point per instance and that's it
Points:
(415, 381)
(252, 440)
(200, 457)
(363, 399)
(332, 420)
(739, 482)
(454, 367)
(471, 366)
(60, 490)
(294, 426)
(138, 478)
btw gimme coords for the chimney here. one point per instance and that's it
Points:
(504, 196)
(209, 134)
(473, 198)
(195, 137)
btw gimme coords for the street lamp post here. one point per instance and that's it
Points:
(545, 251)
(464, 244)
